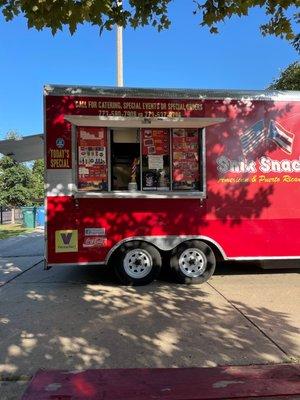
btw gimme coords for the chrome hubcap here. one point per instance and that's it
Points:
(192, 262)
(137, 263)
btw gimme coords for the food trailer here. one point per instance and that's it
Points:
(141, 179)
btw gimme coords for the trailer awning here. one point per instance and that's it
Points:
(142, 122)
(27, 148)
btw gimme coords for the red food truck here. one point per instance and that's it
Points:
(136, 176)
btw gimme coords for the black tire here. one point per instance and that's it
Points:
(204, 259)
(124, 258)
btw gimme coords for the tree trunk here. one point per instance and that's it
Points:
(13, 215)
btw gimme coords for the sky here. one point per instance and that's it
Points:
(184, 56)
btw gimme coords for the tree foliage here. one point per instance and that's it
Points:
(38, 181)
(15, 183)
(12, 135)
(289, 78)
(282, 14)
(20, 184)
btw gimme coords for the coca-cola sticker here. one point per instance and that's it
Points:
(94, 242)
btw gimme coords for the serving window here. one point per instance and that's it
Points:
(143, 160)
(125, 156)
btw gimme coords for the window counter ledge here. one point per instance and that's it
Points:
(138, 194)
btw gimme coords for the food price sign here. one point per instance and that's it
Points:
(92, 158)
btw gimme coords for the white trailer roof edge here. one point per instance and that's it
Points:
(170, 93)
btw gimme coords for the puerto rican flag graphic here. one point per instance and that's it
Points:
(283, 138)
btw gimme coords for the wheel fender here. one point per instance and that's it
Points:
(168, 243)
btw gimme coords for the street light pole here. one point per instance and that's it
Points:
(120, 80)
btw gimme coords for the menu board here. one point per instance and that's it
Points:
(185, 147)
(156, 159)
(92, 158)
(156, 142)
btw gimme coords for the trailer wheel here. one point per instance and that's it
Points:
(136, 263)
(192, 262)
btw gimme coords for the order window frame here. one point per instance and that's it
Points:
(147, 193)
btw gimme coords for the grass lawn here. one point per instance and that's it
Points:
(7, 231)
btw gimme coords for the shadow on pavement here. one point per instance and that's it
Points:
(82, 319)
(258, 267)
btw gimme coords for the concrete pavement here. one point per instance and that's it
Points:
(19, 253)
(28, 244)
(78, 318)
(271, 301)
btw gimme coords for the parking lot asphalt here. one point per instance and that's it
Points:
(80, 318)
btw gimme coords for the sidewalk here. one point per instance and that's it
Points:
(79, 319)
(20, 253)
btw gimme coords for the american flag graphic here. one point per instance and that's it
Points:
(253, 136)
(283, 138)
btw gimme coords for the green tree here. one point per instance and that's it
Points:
(282, 14)
(15, 184)
(289, 78)
(12, 135)
(38, 181)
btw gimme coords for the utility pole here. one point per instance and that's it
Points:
(120, 80)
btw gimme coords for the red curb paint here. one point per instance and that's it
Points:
(272, 381)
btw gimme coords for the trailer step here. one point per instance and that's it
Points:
(229, 382)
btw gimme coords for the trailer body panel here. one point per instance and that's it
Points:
(249, 202)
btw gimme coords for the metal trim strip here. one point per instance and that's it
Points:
(45, 187)
(77, 263)
(143, 194)
(171, 93)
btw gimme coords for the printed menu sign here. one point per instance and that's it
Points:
(92, 158)
(155, 142)
(155, 162)
(185, 159)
